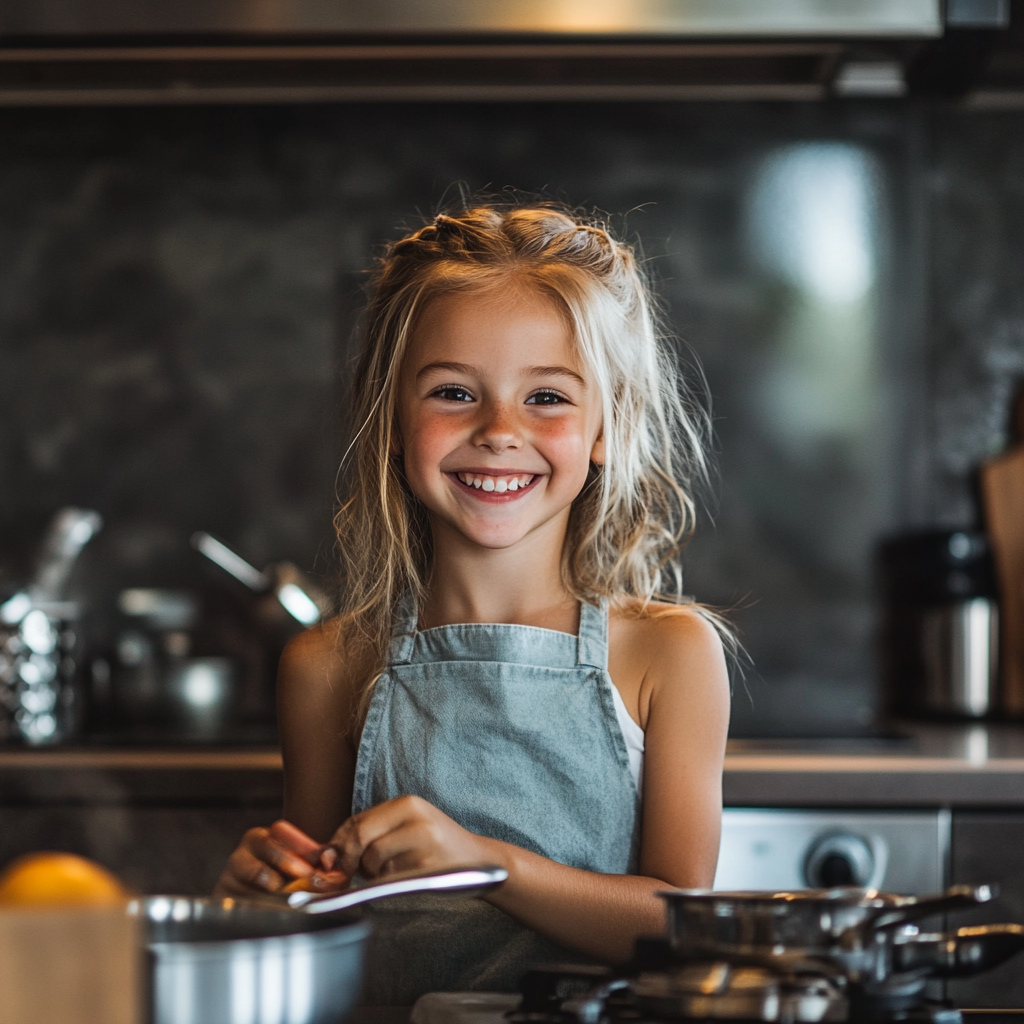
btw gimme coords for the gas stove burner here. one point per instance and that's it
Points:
(750, 993)
(723, 991)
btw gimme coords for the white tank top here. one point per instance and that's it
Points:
(634, 737)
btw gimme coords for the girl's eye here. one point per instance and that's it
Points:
(452, 393)
(546, 398)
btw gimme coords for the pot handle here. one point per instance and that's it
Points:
(960, 953)
(956, 897)
(460, 882)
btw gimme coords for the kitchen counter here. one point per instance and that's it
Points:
(181, 776)
(925, 766)
(922, 766)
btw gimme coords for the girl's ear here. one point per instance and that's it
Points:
(597, 452)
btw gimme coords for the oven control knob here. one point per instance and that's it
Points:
(839, 858)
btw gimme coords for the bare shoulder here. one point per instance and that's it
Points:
(318, 680)
(315, 654)
(672, 652)
(659, 633)
(665, 622)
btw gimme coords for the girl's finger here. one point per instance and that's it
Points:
(412, 860)
(283, 860)
(293, 838)
(405, 844)
(356, 834)
(321, 882)
(254, 872)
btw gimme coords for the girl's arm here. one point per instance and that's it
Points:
(683, 701)
(315, 709)
(315, 714)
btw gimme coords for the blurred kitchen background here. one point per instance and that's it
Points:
(836, 231)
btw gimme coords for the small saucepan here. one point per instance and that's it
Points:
(262, 961)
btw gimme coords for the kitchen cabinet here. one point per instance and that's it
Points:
(988, 846)
(164, 821)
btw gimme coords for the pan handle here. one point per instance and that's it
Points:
(463, 882)
(958, 954)
(956, 897)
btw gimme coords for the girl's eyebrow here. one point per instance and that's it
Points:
(530, 371)
(554, 371)
(450, 367)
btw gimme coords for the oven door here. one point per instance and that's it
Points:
(898, 851)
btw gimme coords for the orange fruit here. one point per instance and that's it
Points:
(300, 885)
(59, 880)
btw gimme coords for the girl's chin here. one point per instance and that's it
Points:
(491, 540)
(491, 536)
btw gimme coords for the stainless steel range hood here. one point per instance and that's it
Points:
(673, 18)
(201, 51)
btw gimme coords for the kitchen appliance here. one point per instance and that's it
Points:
(941, 624)
(767, 848)
(835, 955)
(157, 686)
(261, 961)
(38, 644)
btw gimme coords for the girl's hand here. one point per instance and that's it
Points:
(405, 834)
(276, 859)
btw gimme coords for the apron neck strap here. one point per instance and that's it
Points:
(592, 643)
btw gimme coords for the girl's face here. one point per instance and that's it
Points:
(497, 418)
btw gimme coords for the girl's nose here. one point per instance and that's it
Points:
(497, 430)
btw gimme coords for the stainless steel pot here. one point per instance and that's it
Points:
(259, 961)
(807, 922)
(858, 936)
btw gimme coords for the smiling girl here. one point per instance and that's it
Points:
(502, 685)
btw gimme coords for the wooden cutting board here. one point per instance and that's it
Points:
(80, 966)
(1002, 485)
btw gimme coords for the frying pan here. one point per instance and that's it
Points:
(858, 932)
(810, 922)
(261, 961)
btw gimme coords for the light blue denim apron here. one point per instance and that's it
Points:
(512, 732)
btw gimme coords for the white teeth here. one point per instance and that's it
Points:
(498, 484)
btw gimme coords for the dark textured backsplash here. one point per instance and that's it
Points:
(176, 293)
(974, 170)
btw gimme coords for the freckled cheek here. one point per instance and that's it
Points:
(564, 445)
(427, 444)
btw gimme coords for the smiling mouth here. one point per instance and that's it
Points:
(496, 484)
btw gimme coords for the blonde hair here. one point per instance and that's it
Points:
(634, 514)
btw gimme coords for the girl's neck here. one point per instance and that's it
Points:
(521, 584)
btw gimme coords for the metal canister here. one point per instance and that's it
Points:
(959, 645)
(38, 642)
(941, 625)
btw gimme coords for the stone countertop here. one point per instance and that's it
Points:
(923, 766)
